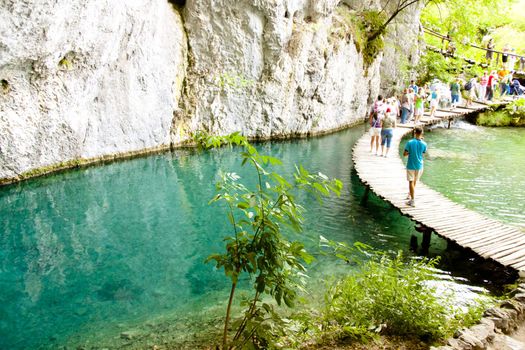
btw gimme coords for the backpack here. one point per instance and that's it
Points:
(468, 85)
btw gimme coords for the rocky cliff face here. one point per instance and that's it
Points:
(402, 49)
(85, 79)
(90, 79)
(272, 69)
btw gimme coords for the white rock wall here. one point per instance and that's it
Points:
(271, 69)
(95, 78)
(86, 79)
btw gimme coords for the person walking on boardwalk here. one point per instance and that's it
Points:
(454, 92)
(413, 86)
(405, 106)
(414, 149)
(483, 82)
(376, 114)
(492, 82)
(470, 91)
(419, 106)
(434, 101)
(388, 125)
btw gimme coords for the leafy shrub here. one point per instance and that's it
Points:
(393, 296)
(516, 109)
(363, 27)
(256, 246)
(512, 115)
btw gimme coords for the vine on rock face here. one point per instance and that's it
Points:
(256, 246)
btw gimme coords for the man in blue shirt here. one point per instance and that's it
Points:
(413, 86)
(414, 149)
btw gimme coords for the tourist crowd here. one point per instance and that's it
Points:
(410, 106)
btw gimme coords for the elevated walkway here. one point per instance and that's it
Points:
(487, 237)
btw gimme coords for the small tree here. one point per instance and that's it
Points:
(257, 246)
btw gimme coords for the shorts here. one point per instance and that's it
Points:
(386, 137)
(414, 175)
(433, 103)
(375, 131)
(419, 111)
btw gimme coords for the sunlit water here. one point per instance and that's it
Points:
(482, 168)
(88, 254)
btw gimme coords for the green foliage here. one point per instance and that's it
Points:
(65, 63)
(256, 246)
(388, 295)
(347, 24)
(516, 109)
(365, 27)
(373, 25)
(512, 115)
(470, 21)
(392, 296)
(433, 65)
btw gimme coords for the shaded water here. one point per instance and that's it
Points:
(480, 167)
(87, 254)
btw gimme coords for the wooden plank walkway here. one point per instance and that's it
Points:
(488, 238)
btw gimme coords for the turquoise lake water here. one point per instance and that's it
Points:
(88, 254)
(482, 168)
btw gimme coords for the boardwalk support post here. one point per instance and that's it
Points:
(448, 127)
(413, 243)
(425, 244)
(427, 234)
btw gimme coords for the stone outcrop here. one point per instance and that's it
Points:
(496, 329)
(85, 80)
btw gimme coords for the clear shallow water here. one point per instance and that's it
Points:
(482, 168)
(89, 253)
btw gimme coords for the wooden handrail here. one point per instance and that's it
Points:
(441, 36)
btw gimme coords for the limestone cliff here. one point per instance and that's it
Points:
(86, 79)
(96, 78)
(272, 69)
(402, 49)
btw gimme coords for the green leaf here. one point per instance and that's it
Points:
(275, 161)
(261, 285)
(321, 189)
(243, 205)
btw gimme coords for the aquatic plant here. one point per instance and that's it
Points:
(256, 246)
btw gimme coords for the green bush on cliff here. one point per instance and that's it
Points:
(512, 115)
(363, 27)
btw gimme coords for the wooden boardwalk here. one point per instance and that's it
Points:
(488, 238)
